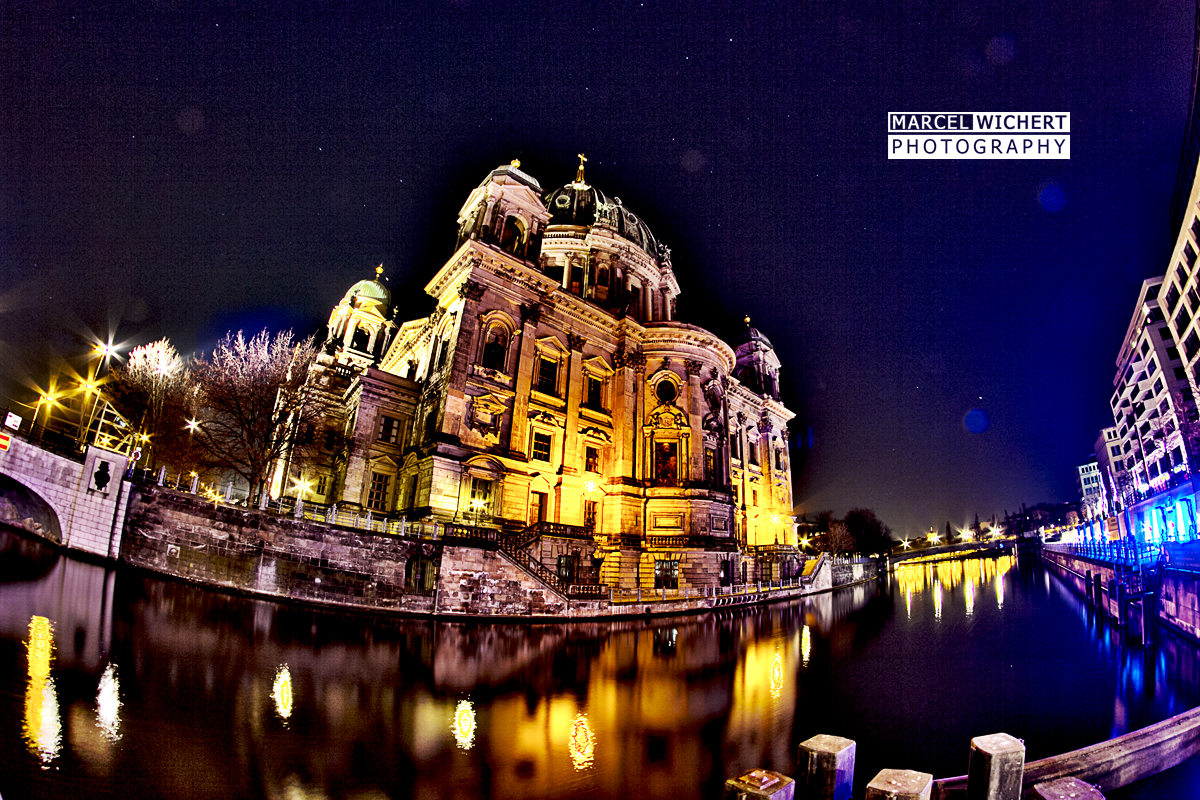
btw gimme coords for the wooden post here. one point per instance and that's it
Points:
(760, 783)
(825, 768)
(995, 768)
(1066, 789)
(900, 784)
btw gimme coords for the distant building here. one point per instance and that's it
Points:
(1152, 396)
(553, 394)
(1087, 481)
(1108, 451)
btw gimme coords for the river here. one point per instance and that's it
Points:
(115, 683)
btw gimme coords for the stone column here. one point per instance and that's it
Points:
(531, 314)
(995, 768)
(695, 400)
(638, 362)
(567, 502)
(825, 768)
(758, 783)
(900, 784)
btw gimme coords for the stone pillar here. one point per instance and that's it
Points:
(695, 398)
(996, 767)
(638, 362)
(825, 768)
(530, 316)
(1066, 789)
(760, 783)
(900, 784)
(567, 502)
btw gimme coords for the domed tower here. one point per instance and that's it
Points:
(360, 326)
(506, 211)
(757, 366)
(595, 247)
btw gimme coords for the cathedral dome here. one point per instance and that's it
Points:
(579, 204)
(372, 291)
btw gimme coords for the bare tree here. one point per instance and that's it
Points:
(840, 538)
(153, 391)
(251, 401)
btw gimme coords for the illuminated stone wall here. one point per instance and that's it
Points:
(181, 535)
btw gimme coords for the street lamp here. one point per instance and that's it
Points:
(477, 504)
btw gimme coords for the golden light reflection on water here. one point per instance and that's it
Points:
(581, 743)
(108, 704)
(974, 572)
(281, 692)
(43, 729)
(776, 676)
(463, 724)
(805, 644)
(970, 595)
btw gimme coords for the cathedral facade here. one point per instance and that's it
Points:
(554, 395)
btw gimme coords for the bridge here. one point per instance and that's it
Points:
(77, 502)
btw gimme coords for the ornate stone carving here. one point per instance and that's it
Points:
(764, 423)
(596, 433)
(472, 290)
(619, 356)
(692, 366)
(546, 418)
(531, 313)
(574, 341)
(637, 360)
(741, 417)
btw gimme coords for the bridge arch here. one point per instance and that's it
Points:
(22, 507)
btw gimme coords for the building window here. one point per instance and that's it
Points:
(412, 492)
(590, 510)
(1192, 345)
(1173, 353)
(541, 447)
(779, 459)
(496, 349)
(591, 459)
(1158, 386)
(389, 430)
(710, 464)
(547, 377)
(1172, 298)
(1180, 374)
(595, 394)
(377, 495)
(481, 496)
(735, 451)
(666, 574)
(322, 484)
(736, 494)
(753, 453)
(754, 497)
(666, 463)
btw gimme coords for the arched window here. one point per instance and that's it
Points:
(511, 236)
(495, 349)
(361, 340)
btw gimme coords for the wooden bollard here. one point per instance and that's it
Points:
(760, 783)
(825, 768)
(1066, 789)
(996, 767)
(900, 784)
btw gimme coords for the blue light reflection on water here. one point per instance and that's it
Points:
(382, 707)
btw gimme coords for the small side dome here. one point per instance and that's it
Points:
(371, 291)
(756, 364)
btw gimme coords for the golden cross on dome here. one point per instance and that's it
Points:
(378, 272)
(747, 320)
(579, 174)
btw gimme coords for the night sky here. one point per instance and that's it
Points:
(182, 169)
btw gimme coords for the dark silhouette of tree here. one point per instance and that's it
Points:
(870, 534)
(949, 532)
(251, 401)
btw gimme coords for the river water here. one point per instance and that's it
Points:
(114, 683)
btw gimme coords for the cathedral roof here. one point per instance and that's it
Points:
(578, 203)
(371, 290)
(752, 336)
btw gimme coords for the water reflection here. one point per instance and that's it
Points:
(581, 743)
(43, 730)
(108, 704)
(463, 725)
(281, 693)
(385, 707)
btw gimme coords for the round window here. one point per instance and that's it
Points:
(665, 391)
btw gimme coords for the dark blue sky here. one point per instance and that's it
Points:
(179, 169)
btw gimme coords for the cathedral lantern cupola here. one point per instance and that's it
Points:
(360, 327)
(757, 366)
(505, 211)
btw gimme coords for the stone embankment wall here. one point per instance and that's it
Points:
(854, 572)
(181, 535)
(475, 581)
(1080, 570)
(1179, 598)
